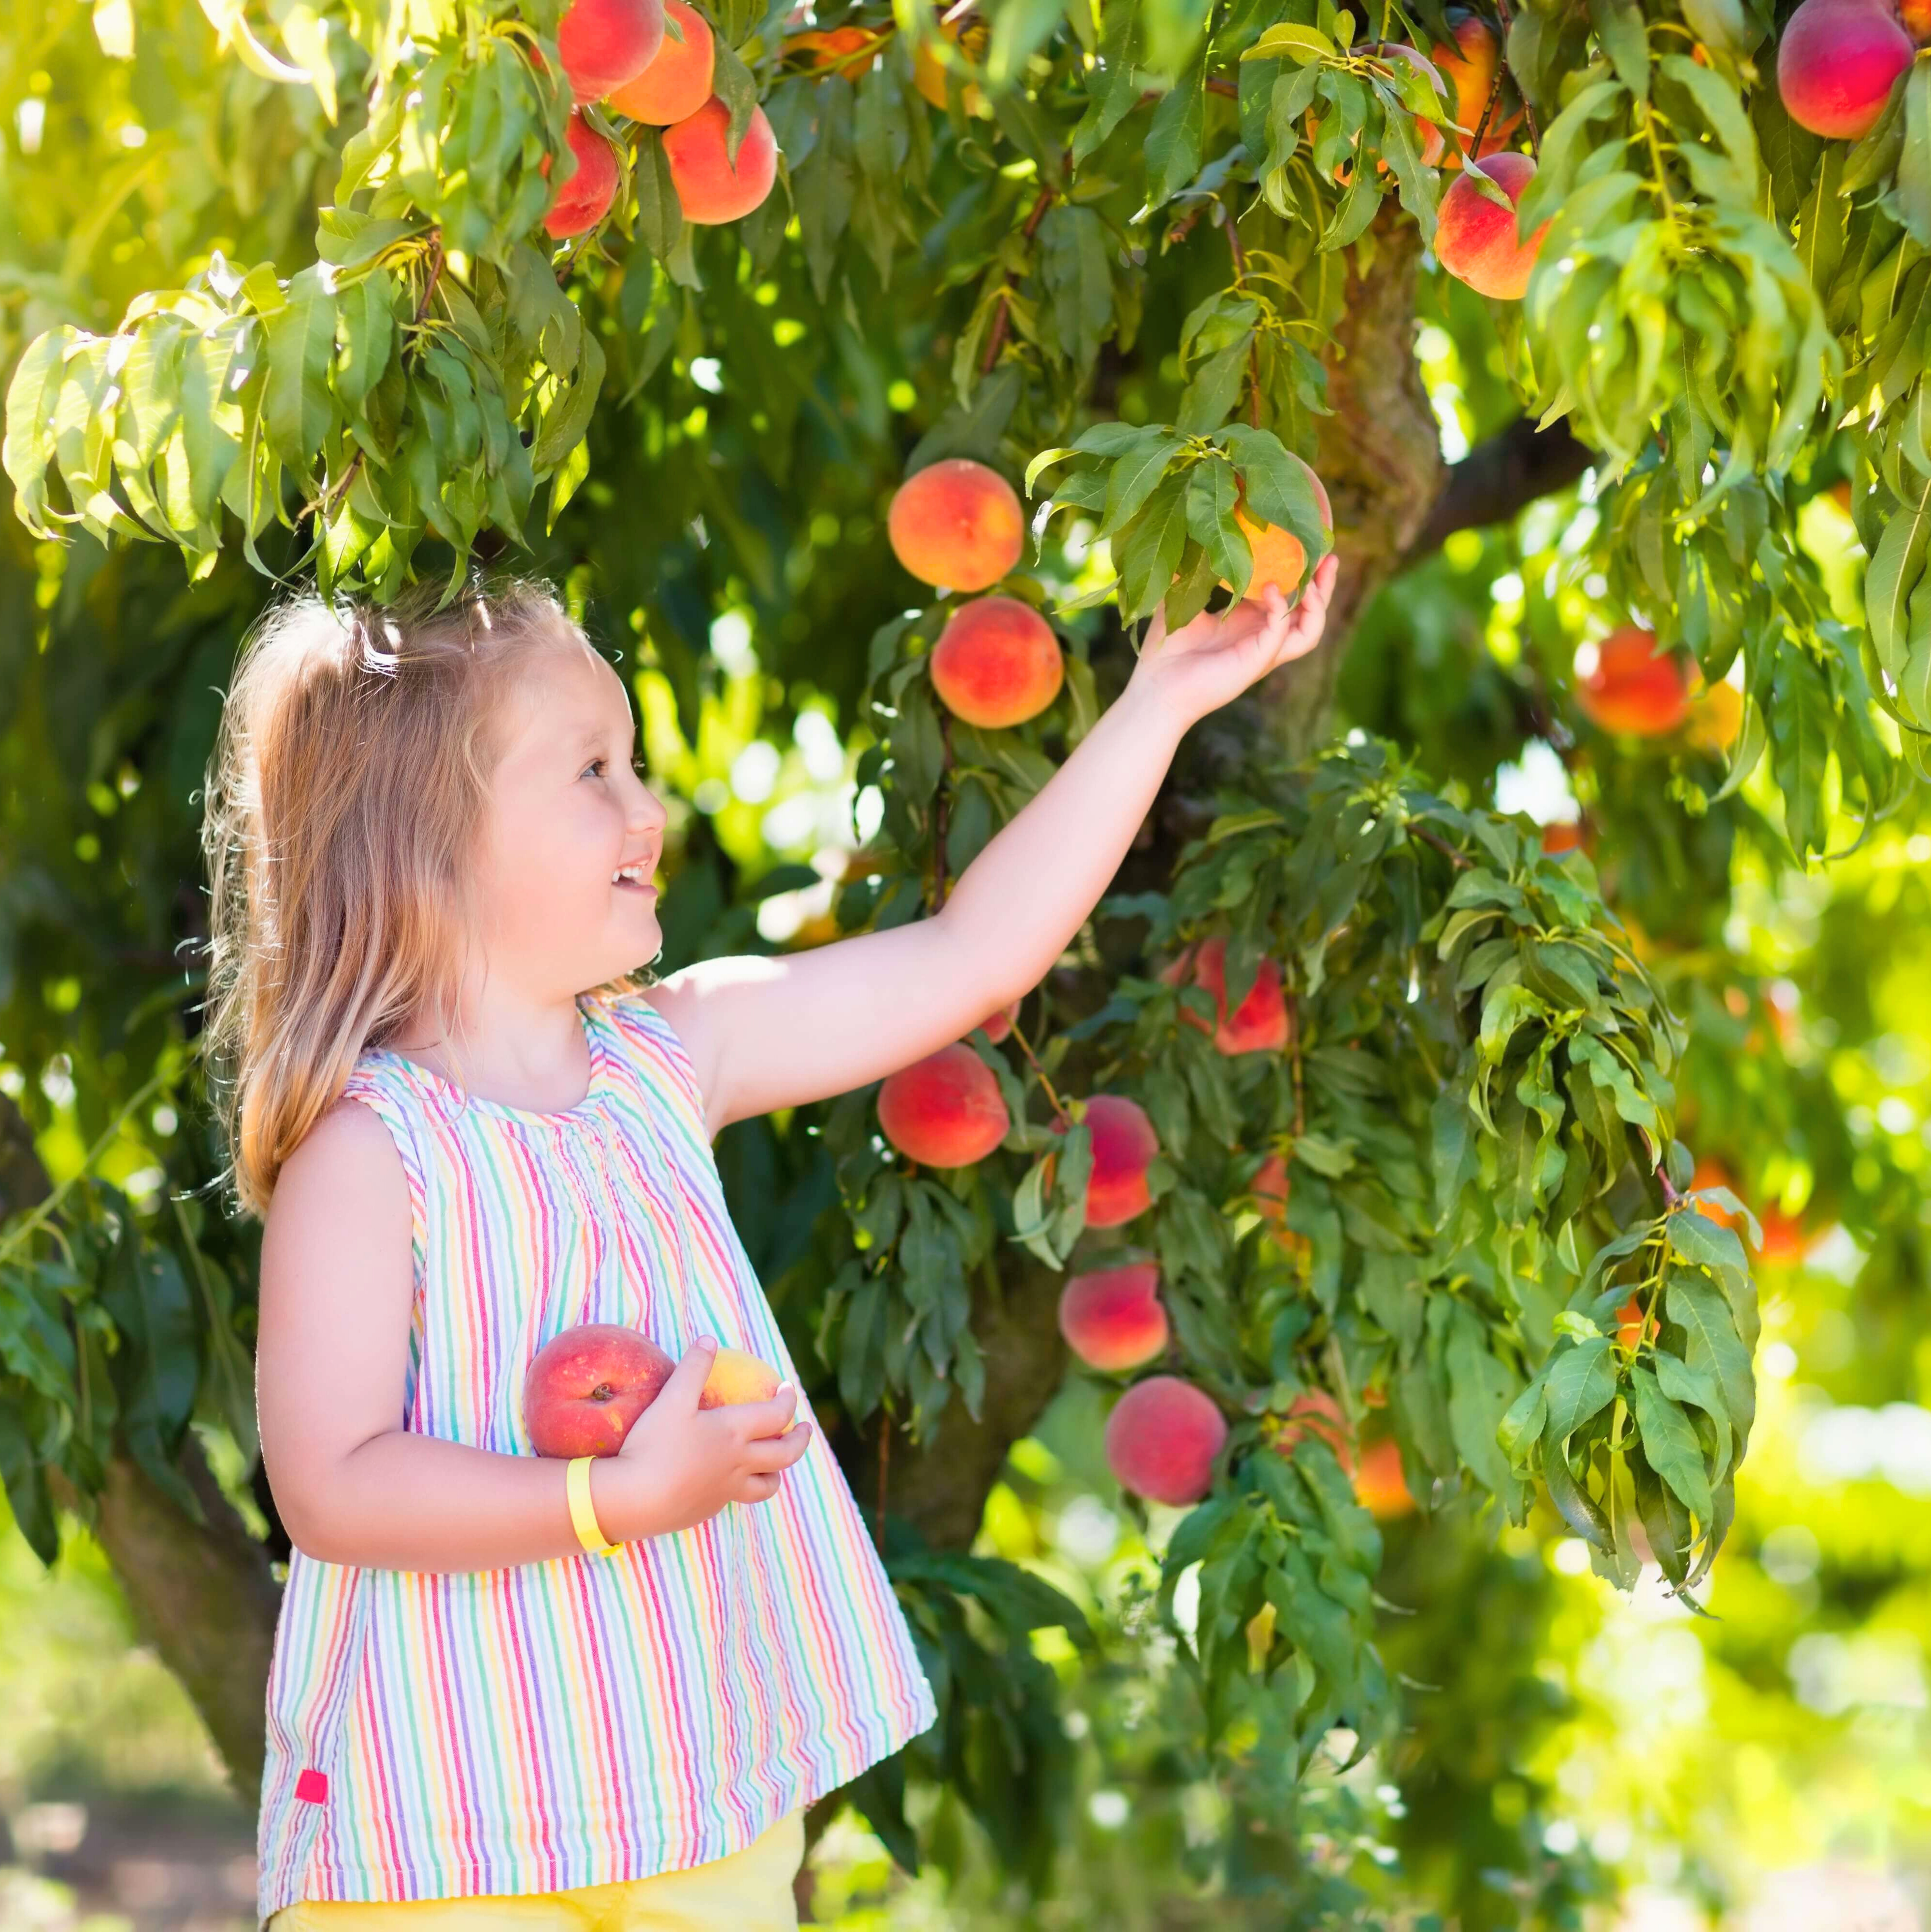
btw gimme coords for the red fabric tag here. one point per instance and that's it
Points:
(313, 1786)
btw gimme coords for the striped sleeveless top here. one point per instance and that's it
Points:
(588, 1719)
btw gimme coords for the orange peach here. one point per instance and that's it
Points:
(929, 77)
(1317, 1415)
(1836, 64)
(737, 1375)
(1477, 242)
(1633, 1327)
(1124, 1145)
(1379, 1486)
(1631, 689)
(1279, 557)
(710, 188)
(677, 82)
(1564, 836)
(1261, 1023)
(1785, 1243)
(605, 42)
(584, 199)
(1112, 1318)
(997, 663)
(1716, 717)
(945, 1110)
(957, 522)
(585, 1387)
(1469, 67)
(1161, 1440)
(848, 51)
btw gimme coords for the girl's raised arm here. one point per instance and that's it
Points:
(764, 1033)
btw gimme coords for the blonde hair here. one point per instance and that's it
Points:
(344, 802)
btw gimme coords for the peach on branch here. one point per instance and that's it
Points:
(1836, 64)
(1716, 717)
(605, 42)
(1563, 835)
(711, 188)
(997, 663)
(580, 202)
(848, 51)
(945, 1110)
(1112, 1318)
(1468, 62)
(1631, 689)
(677, 82)
(1380, 1486)
(997, 1025)
(1316, 1416)
(970, 36)
(1279, 557)
(1124, 1145)
(1260, 1022)
(1161, 1440)
(1477, 241)
(958, 523)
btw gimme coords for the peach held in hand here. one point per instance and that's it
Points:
(1161, 1440)
(677, 82)
(945, 1110)
(1124, 1145)
(1836, 63)
(1112, 1319)
(958, 523)
(605, 42)
(711, 188)
(1261, 1021)
(1279, 557)
(584, 1388)
(1477, 242)
(997, 663)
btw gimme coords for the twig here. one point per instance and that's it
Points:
(1474, 150)
(1461, 861)
(1528, 113)
(1052, 1093)
(1225, 88)
(1230, 222)
(996, 336)
(940, 884)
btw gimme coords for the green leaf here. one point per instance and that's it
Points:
(1671, 1444)
(1481, 1391)
(660, 215)
(1289, 40)
(1074, 267)
(1136, 474)
(1580, 1382)
(296, 403)
(1173, 140)
(1713, 1347)
(1211, 495)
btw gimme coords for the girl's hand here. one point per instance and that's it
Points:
(680, 1464)
(1211, 660)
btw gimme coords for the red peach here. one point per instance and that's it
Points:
(1112, 1318)
(710, 188)
(996, 1026)
(1631, 689)
(997, 663)
(945, 1110)
(1259, 1024)
(1124, 1145)
(1564, 836)
(1317, 1414)
(1836, 64)
(677, 82)
(584, 199)
(957, 522)
(605, 42)
(584, 1388)
(1477, 242)
(1161, 1440)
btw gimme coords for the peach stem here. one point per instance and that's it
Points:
(1058, 1105)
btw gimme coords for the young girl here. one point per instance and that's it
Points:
(502, 1695)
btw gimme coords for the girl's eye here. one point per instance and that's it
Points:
(595, 765)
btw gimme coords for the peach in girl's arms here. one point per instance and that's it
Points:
(585, 1388)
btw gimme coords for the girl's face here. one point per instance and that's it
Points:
(566, 896)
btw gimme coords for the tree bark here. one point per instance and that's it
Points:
(202, 1594)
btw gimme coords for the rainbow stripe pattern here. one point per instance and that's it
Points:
(587, 1719)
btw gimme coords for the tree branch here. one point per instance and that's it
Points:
(1497, 478)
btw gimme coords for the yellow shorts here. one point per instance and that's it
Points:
(749, 1891)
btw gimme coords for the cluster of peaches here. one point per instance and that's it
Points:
(617, 52)
(1164, 1435)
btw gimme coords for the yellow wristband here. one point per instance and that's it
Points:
(590, 1532)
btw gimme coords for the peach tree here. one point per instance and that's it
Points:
(1350, 1149)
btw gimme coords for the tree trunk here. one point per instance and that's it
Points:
(202, 1594)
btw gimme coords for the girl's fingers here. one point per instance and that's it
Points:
(777, 1452)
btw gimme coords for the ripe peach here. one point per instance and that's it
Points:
(969, 36)
(844, 50)
(1836, 64)
(1564, 836)
(1632, 690)
(1716, 717)
(1279, 557)
(677, 82)
(584, 1388)
(1316, 1414)
(997, 663)
(1112, 1318)
(996, 1026)
(709, 189)
(1124, 1145)
(1379, 1486)
(1468, 65)
(1785, 1243)
(945, 1110)
(1477, 242)
(1261, 1022)
(605, 42)
(1161, 1440)
(1632, 1326)
(584, 199)
(958, 523)
(1269, 1188)
(737, 1375)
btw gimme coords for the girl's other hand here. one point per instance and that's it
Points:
(1210, 661)
(680, 1464)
